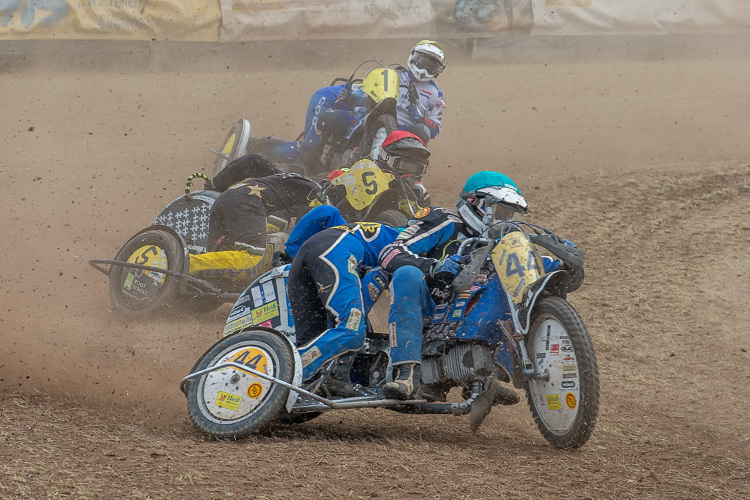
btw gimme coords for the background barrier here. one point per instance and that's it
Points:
(266, 20)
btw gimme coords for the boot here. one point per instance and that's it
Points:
(406, 383)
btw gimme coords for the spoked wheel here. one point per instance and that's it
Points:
(135, 291)
(229, 403)
(565, 407)
(376, 133)
(393, 218)
(235, 145)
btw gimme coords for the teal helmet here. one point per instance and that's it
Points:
(487, 199)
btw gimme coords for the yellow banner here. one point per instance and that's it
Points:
(187, 20)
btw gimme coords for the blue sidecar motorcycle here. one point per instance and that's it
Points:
(508, 321)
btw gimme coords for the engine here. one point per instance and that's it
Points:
(464, 363)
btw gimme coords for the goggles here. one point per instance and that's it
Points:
(428, 63)
(407, 166)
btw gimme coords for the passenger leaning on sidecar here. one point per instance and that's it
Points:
(241, 216)
(423, 265)
(333, 282)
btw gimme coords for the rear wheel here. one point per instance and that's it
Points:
(135, 291)
(229, 403)
(393, 218)
(375, 134)
(565, 407)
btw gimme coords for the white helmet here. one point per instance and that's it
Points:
(426, 60)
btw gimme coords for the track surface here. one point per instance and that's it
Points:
(643, 163)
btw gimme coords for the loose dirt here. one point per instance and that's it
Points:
(644, 163)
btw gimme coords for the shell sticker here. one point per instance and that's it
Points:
(422, 212)
(255, 390)
(570, 400)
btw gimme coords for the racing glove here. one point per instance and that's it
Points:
(423, 196)
(445, 270)
(416, 115)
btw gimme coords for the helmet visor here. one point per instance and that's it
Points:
(428, 63)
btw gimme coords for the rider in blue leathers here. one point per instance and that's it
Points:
(423, 264)
(332, 284)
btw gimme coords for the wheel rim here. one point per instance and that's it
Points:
(229, 145)
(232, 394)
(141, 287)
(377, 142)
(557, 400)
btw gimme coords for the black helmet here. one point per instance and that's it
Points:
(404, 154)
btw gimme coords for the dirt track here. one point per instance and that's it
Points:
(645, 164)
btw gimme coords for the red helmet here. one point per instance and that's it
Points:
(404, 154)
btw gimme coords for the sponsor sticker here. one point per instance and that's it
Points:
(228, 401)
(352, 264)
(541, 355)
(554, 349)
(392, 334)
(422, 212)
(553, 402)
(569, 367)
(374, 291)
(380, 280)
(567, 348)
(129, 281)
(567, 384)
(355, 318)
(310, 356)
(570, 375)
(265, 312)
(263, 294)
(570, 400)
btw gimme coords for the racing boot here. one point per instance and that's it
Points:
(406, 383)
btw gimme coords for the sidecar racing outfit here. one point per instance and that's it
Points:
(329, 273)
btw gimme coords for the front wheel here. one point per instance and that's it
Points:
(229, 403)
(376, 132)
(134, 291)
(565, 406)
(235, 145)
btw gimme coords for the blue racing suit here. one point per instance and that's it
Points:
(325, 289)
(325, 115)
(433, 235)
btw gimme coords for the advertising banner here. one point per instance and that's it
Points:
(325, 19)
(641, 17)
(196, 20)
